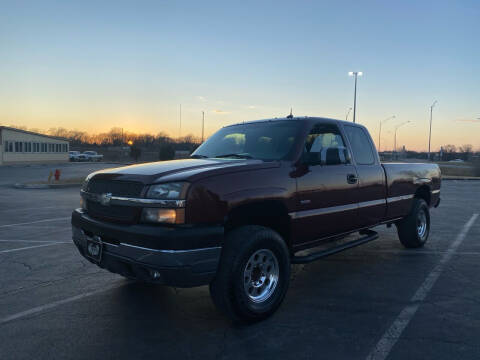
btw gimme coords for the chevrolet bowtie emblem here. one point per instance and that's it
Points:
(105, 199)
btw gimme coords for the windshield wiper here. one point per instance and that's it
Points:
(240, 156)
(197, 156)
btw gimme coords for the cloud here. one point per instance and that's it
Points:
(220, 112)
(251, 107)
(201, 98)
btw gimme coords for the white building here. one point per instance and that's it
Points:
(26, 147)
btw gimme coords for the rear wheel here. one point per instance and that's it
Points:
(253, 274)
(413, 230)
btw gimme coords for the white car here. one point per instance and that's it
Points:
(74, 155)
(457, 160)
(92, 156)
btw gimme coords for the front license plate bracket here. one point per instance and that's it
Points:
(94, 248)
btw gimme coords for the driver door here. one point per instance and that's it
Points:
(327, 187)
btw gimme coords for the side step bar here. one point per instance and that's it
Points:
(369, 236)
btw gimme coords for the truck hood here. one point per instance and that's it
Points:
(180, 170)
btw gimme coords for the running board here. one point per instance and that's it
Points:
(369, 236)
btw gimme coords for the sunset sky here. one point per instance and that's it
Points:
(93, 65)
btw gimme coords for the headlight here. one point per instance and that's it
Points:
(165, 216)
(168, 191)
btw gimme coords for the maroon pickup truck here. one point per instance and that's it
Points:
(237, 213)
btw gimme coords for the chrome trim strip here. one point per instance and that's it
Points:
(399, 198)
(372, 203)
(171, 251)
(106, 199)
(436, 191)
(334, 209)
(322, 211)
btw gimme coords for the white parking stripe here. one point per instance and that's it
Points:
(389, 339)
(33, 241)
(35, 222)
(36, 208)
(31, 247)
(417, 252)
(52, 305)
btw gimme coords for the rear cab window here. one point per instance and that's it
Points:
(361, 145)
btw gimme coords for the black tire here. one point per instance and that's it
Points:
(238, 298)
(413, 230)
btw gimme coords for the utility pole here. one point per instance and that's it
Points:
(355, 74)
(430, 133)
(203, 123)
(380, 131)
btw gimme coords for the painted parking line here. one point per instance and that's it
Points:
(391, 336)
(32, 247)
(418, 252)
(33, 241)
(36, 208)
(42, 308)
(35, 222)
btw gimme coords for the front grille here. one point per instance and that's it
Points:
(116, 188)
(122, 214)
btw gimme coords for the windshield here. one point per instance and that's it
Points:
(264, 140)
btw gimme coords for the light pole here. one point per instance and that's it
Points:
(395, 137)
(203, 123)
(430, 133)
(355, 74)
(348, 113)
(380, 131)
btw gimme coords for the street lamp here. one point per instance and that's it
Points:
(430, 134)
(355, 74)
(380, 131)
(348, 113)
(395, 137)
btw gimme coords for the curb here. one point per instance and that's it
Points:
(45, 186)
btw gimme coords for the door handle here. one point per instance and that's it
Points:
(352, 178)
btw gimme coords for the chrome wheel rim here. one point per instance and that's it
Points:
(260, 277)
(422, 224)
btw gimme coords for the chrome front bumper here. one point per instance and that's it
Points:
(182, 268)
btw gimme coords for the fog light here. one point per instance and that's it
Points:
(166, 216)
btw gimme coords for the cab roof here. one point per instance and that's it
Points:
(304, 119)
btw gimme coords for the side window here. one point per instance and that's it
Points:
(361, 146)
(324, 145)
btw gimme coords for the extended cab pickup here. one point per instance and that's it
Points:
(237, 213)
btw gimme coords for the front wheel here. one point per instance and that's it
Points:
(413, 230)
(253, 274)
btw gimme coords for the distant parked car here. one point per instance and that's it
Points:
(82, 157)
(457, 160)
(92, 156)
(74, 155)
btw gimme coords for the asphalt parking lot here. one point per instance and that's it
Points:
(376, 301)
(11, 174)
